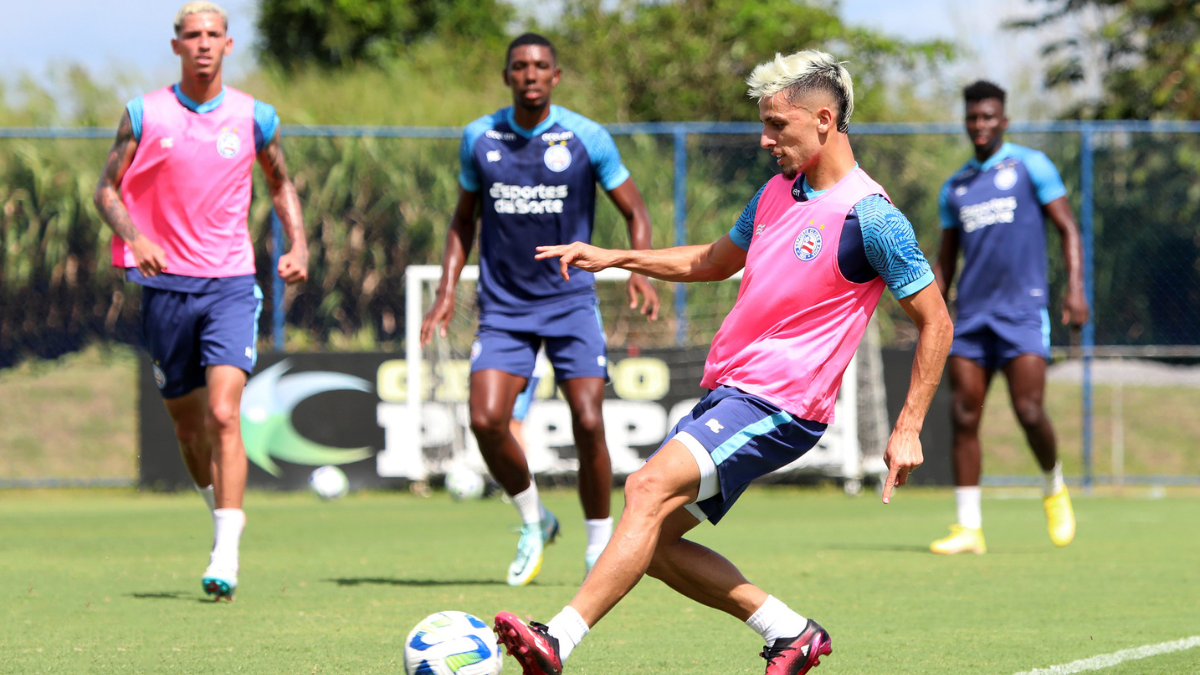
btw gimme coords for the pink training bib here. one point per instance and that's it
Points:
(797, 321)
(188, 188)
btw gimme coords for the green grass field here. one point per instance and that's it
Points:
(108, 582)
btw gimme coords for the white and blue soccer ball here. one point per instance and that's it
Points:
(329, 482)
(463, 483)
(452, 643)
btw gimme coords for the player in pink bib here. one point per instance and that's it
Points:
(176, 192)
(818, 244)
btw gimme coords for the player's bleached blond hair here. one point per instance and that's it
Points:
(802, 73)
(199, 7)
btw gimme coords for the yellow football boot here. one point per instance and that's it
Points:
(961, 539)
(1060, 519)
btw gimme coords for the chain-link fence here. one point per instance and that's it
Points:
(378, 199)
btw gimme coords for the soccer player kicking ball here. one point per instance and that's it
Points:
(995, 209)
(532, 169)
(176, 191)
(818, 244)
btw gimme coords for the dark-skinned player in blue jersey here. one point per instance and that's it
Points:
(529, 173)
(995, 210)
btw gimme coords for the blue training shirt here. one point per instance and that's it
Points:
(877, 240)
(997, 207)
(266, 123)
(538, 188)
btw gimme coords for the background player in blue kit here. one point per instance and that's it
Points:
(995, 209)
(529, 172)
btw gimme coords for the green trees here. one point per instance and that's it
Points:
(1150, 56)
(294, 33)
(688, 60)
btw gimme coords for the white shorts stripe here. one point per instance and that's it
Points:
(709, 485)
(1109, 660)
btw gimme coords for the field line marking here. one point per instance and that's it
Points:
(1109, 660)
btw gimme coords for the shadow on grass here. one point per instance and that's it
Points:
(173, 595)
(380, 581)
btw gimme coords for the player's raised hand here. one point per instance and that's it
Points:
(584, 256)
(640, 285)
(149, 256)
(902, 456)
(438, 316)
(293, 266)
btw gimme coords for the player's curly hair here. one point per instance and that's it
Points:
(199, 7)
(802, 73)
(982, 90)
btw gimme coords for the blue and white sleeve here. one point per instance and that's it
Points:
(743, 228)
(606, 160)
(891, 247)
(947, 215)
(1045, 177)
(468, 175)
(136, 108)
(266, 123)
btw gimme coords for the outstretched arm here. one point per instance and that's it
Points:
(709, 262)
(928, 311)
(629, 202)
(1075, 306)
(458, 245)
(293, 266)
(149, 256)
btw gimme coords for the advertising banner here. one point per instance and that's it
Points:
(304, 410)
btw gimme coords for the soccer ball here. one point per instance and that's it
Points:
(463, 483)
(329, 482)
(452, 643)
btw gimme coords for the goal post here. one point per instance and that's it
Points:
(654, 382)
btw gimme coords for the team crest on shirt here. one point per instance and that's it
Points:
(1006, 178)
(228, 144)
(808, 244)
(160, 378)
(558, 157)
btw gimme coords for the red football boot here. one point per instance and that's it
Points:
(798, 655)
(532, 646)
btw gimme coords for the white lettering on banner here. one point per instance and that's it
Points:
(991, 212)
(636, 420)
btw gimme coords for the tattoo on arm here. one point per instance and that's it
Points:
(283, 192)
(107, 197)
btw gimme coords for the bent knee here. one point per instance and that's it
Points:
(224, 417)
(1029, 413)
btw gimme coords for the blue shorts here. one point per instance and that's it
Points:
(574, 340)
(992, 340)
(746, 438)
(187, 332)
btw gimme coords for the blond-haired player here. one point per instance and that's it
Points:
(176, 192)
(819, 244)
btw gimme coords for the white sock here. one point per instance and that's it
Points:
(599, 531)
(775, 620)
(970, 511)
(227, 533)
(209, 497)
(569, 629)
(1054, 480)
(528, 504)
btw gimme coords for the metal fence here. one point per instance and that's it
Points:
(377, 199)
